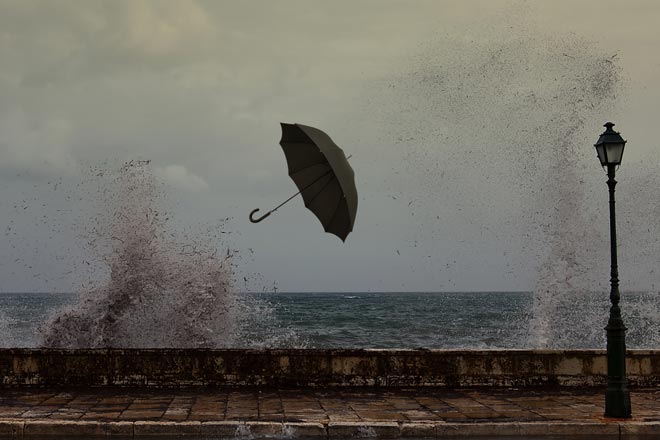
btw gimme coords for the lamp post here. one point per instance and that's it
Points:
(610, 147)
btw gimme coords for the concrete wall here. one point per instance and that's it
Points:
(395, 368)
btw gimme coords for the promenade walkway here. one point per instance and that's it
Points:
(321, 413)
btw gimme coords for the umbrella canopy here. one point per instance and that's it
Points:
(321, 171)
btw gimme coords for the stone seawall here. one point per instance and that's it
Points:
(316, 368)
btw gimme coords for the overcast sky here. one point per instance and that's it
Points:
(200, 87)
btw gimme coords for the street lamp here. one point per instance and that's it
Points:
(610, 147)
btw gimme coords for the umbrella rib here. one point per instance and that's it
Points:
(321, 190)
(290, 198)
(308, 166)
(291, 173)
(334, 216)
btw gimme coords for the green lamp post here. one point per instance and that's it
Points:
(610, 147)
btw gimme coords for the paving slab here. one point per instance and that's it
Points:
(330, 413)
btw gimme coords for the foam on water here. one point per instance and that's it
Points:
(155, 285)
(495, 125)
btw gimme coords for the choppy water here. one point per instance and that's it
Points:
(387, 320)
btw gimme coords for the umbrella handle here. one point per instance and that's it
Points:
(257, 220)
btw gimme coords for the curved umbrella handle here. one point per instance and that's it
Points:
(257, 220)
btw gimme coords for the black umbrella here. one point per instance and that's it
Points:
(320, 170)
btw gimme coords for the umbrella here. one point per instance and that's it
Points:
(320, 170)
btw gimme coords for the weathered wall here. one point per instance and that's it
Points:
(178, 368)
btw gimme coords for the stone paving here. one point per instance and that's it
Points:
(417, 409)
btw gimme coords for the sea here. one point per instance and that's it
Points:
(449, 320)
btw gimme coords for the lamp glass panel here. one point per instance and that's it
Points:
(600, 149)
(614, 153)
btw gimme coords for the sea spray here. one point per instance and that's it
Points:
(6, 324)
(495, 125)
(155, 285)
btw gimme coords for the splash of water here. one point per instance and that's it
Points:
(159, 286)
(6, 323)
(496, 125)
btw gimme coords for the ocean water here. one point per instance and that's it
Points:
(385, 320)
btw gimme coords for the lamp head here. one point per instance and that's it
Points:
(610, 146)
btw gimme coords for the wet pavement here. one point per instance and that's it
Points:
(334, 412)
